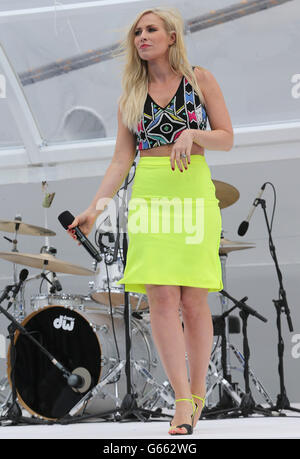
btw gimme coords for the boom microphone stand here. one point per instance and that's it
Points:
(281, 306)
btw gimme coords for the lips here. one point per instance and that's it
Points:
(144, 46)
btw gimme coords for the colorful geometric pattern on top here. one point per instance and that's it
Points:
(161, 126)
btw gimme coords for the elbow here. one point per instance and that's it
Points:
(229, 147)
(230, 142)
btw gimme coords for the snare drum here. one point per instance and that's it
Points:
(78, 302)
(40, 301)
(100, 291)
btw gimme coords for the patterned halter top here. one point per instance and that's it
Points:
(163, 125)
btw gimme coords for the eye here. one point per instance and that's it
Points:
(151, 29)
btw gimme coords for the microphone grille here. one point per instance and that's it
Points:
(243, 228)
(23, 274)
(66, 218)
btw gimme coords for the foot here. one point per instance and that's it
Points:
(183, 415)
(199, 405)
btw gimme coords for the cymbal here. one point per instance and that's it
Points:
(227, 246)
(226, 193)
(45, 261)
(24, 228)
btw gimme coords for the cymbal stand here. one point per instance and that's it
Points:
(19, 311)
(226, 400)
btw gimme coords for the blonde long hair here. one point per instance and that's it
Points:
(135, 73)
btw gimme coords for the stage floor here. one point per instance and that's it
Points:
(252, 427)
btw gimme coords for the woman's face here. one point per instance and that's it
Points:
(151, 38)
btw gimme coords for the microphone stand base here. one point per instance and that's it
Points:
(283, 403)
(247, 407)
(14, 417)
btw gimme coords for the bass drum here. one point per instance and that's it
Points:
(83, 342)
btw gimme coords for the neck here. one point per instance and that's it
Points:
(160, 72)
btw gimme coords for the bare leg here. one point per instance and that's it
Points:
(168, 337)
(198, 333)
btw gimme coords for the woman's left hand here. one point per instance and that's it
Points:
(183, 145)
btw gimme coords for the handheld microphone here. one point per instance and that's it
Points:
(243, 228)
(66, 219)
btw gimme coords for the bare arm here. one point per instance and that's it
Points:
(118, 169)
(115, 174)
(221, 135)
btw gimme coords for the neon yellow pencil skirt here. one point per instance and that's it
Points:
(174, 227)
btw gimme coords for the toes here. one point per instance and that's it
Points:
(178, 430)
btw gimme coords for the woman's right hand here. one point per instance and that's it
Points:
(85, 221)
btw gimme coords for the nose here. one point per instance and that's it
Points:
(143, 34)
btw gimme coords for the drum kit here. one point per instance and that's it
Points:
(83, 334)
(84, 337)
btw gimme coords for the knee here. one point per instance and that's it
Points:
(163, 301)
(192, 305)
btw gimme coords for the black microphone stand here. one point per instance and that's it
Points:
(247, 405)
(281, 305)
(14, 412)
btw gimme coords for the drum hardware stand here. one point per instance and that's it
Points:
(214, 366)
(281, 305)
(220, 380)
(162, 389)
(55, 284)
(230, 397)
(247, 405)
(226, 400)
(21, 312)
(14, 412)
(260, 388)
(224, 305)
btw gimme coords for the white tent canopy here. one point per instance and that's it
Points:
(60, 82)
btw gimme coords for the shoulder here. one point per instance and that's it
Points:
(208, 84)
(204, 76)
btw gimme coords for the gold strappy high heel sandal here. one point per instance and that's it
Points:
(188, 427)
(197, 406)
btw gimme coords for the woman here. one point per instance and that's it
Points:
(175, 269)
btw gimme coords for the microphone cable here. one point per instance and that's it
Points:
(274, 204)
(109, 295)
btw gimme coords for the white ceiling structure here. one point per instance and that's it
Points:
(59, 81)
